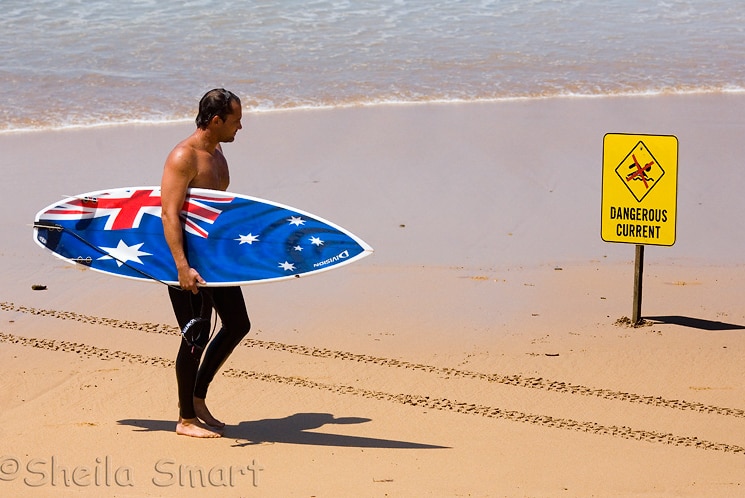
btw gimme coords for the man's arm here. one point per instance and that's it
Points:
(178, 172)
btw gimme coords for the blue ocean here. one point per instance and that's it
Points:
(69, 63)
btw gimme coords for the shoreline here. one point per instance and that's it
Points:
(703, 92)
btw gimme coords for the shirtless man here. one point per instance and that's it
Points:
(198, 161)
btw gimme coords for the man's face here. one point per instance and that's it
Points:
(232, 123)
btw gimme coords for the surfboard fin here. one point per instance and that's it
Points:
(48, 226)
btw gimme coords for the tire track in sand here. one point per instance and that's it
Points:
(419, 401)
(445, 372)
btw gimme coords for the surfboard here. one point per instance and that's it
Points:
(230, 239)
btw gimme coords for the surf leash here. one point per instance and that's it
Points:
(83, 261)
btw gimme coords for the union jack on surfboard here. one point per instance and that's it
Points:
(124, 209)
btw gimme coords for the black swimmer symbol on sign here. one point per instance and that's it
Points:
(640, 173)
(646, 171)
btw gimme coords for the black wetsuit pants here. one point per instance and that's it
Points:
(192, 376)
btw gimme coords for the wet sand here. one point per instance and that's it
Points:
(483, 349)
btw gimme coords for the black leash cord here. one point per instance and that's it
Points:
(54, 226)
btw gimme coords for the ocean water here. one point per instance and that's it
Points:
(91, 62)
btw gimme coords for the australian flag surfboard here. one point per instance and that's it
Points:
(230, 239)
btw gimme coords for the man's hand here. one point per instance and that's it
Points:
(190, 279)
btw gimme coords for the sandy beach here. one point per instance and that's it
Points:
(481, 351)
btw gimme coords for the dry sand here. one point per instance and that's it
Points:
(476, 353)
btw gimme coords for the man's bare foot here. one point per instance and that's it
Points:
(200, 408)
(194, 428)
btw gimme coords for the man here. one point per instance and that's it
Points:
(198, 161)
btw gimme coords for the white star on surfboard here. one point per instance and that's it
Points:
(296, 220)
(247, 239)
(287, 266)
(123, 253)
(316, 241)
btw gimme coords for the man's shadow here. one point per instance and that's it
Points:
(293, 429)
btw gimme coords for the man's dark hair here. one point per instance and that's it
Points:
(216, 102)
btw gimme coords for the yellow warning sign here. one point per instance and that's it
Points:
(640, 183)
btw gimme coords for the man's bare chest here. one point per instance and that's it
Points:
(212, 172)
